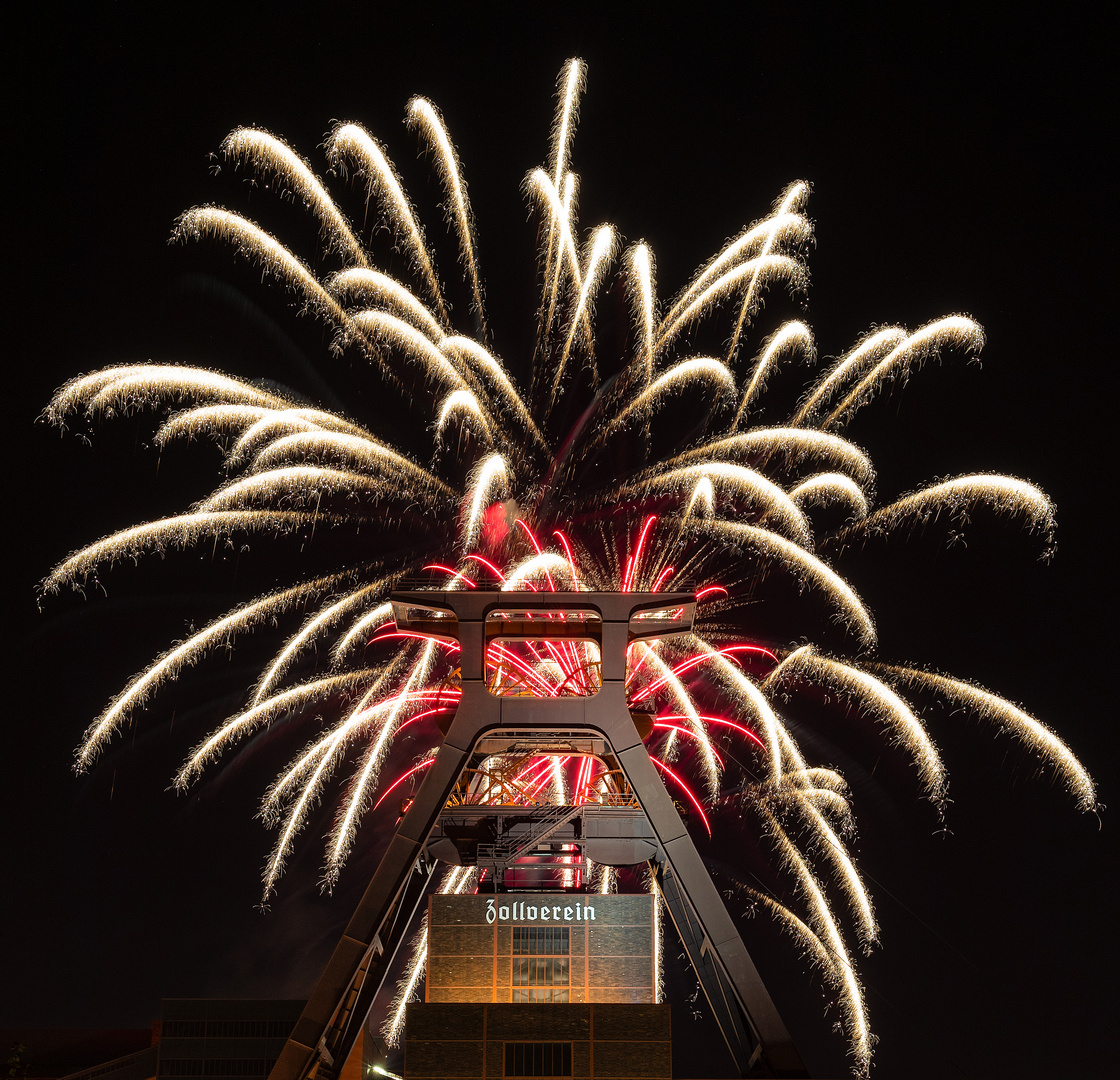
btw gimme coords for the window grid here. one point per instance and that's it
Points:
(538, 1059)
(542, 940)
(216, 1066)
(540, 971)
(522, 996)
(226, 1029)
(541, 958)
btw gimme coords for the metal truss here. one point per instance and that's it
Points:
(486, 722)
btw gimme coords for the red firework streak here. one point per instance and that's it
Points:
(551, 669)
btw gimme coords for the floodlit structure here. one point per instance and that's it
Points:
(519, 846)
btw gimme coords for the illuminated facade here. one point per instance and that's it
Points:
(529, 973)
(541, 948)
(604, 1040)
(540, 984)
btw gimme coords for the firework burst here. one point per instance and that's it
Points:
(522, 489)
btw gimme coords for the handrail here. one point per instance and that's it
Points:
(511, 850)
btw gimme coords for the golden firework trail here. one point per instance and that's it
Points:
(514, 483)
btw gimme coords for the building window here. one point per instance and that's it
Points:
(536, 996)
(540, 971)
(539, 1059)
(231, 1067)
(227, 1029)
(542, 941)
(540, 965)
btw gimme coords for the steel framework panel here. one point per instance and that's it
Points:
(337, 1009)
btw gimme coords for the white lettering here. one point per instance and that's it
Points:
(522, 912)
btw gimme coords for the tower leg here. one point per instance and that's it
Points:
(754, 1032)
(333, 1017)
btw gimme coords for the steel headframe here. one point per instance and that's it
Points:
(338, 1008)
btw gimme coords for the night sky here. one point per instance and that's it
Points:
(958, 164)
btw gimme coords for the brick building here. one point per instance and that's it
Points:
(211, 1038)
(540, 984)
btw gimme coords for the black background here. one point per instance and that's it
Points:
(959, 163)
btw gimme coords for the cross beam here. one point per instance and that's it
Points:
(333, 1017)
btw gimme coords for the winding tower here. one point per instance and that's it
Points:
(495, 716)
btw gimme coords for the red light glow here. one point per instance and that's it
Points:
(402, 778)
(489, 566)
(685, 788)
(632, 564)
(691, 734)
(722, 722)
(709, 589)
(571, 562)
(453, 572)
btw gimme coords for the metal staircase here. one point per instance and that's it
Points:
(519, 844)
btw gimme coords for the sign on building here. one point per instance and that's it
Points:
(540, 948)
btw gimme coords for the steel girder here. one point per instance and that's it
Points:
(334, 1015)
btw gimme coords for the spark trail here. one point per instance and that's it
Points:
(507, 494)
